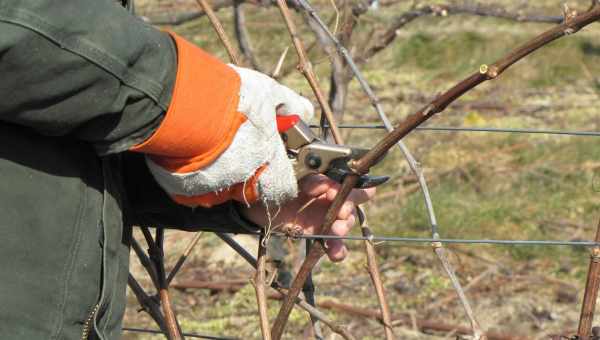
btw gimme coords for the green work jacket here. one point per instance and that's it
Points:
(81, 81)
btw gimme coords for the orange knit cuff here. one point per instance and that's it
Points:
(202, 118)
(242, 192)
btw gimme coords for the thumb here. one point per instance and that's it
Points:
(292, 103)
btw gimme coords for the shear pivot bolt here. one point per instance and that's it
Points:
(313, 161)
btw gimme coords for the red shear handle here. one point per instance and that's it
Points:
(285, 123)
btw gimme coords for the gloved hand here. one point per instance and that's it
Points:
(250, 163)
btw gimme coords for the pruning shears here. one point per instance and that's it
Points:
(311, 155)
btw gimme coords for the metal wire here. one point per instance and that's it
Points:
(396, 239)
(448, 240)
(478, 129)
(463, 241)
(189, 335)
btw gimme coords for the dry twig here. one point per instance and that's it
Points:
(339, 85)
(373, 270)
(259, 280)
(259, 287)
(312, 311)
(306, 69)
(231, 286)
(309, 295)
(277, 70)
(384, 39)
(183, 257)
(155, 250)
(363, 165)
(145, 261)
(472, 283)
(441, 253)
(243, 38)
(154, 265)
(424, 325)
(413, 164)
(591, 292)
(166, 18)
(148, 304)
(216, 24)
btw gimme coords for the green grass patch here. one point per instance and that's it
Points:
(457, 54)
(511, 200)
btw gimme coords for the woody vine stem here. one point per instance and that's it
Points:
(328, 37)
(259, 279)
(572, 24)
(305, 68)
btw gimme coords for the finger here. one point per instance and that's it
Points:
(342, 227)
(346, 210)
(360, 196)
(332, 192)
(336, 250)
(316, 185)
(352, 219)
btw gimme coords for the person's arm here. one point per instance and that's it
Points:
(149, 205)
(85, 68)
(88, 69)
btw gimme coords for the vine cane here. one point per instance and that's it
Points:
(569, 26)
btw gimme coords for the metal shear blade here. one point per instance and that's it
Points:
(340, 169)
(311, 155)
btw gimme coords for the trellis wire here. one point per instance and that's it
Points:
(464, 241)
(435, 239)
(447, 240)
(467, 241)
(191, 335)
(478, 129)
(572, 23)
(413, 164)
(395, 239)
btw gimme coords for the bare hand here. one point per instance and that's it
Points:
(322, 190)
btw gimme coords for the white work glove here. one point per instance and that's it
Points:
(256, 145)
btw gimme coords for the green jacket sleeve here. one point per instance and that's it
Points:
(148, 205)
(84, 68)
(89, 70)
